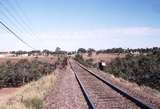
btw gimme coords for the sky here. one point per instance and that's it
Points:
(73, 24)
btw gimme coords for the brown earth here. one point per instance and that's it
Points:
(6, 91)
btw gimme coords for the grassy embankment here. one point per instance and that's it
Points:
(29, 96)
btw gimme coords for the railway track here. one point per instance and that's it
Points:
(101, 94)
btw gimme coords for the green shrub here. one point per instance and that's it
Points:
(143, 69)
(88, 62)
(35, 103)
(17, 74)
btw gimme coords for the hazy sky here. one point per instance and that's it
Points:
(71, 24)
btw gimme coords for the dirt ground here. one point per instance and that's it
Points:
(8, 90)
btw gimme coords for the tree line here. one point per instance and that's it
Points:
(38, 52)
(120, 50)
(89, 51)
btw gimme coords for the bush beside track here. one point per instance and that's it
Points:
(22, 72)
(142, 69)
(88, 62)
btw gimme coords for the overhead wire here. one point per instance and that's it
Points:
(14, 25)
(12, 16)
(16, 35)
(21, 15)
(15, 21)
(26, 18)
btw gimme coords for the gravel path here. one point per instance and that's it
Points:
(66, 93)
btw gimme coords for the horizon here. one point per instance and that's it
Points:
(98, 24)
(79, 48)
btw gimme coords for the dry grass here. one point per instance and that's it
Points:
(107, 57)
(29, 96)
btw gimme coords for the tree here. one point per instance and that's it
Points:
(81, 50)
(58, 49)
(90, 51)
(46, 52)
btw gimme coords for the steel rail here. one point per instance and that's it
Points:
(85, 93)
(136, 100)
